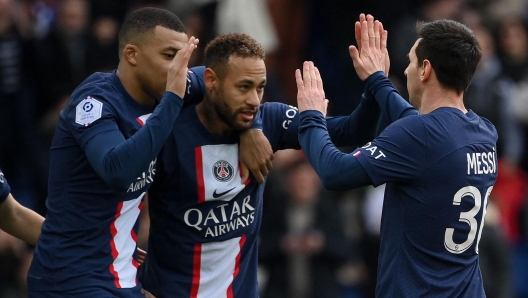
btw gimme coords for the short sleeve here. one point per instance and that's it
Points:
(398, 154)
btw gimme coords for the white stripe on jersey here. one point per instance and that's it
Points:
(211, 186)
(123, 243)
(219, 264)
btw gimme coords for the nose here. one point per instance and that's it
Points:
(253, 98)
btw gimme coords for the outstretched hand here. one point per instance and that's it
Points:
(177, 74)
(310, 92)
(371, 55)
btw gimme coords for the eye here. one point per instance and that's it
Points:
(169, 56)
(244, 87)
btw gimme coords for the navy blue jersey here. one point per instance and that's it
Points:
(439, 169)
(4, 188)
(204, 221)
(89, 235)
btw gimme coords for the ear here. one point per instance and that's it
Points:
(130, 53)
(427, 70)
(210, 78)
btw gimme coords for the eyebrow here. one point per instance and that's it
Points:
(170, 48)
(250, 82)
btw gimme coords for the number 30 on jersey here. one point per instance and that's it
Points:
(468, 218)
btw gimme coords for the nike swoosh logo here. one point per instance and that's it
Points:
(217, 195)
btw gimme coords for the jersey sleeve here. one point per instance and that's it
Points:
(195, 86)
(118, 161)
(357, 128)
(393, 106)
(4, 188)
(280, 122)
(398, 154)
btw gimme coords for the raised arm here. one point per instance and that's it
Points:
(371, 61)
(118, 161)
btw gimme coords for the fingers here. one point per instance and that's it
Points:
(377, 35)
(357, 34)
(371, 34)
(299, 81)
(244, 172)
(258, 176)
(319, 81)
(193, 42)
(306, 76)
(182, 56)
(383, 37)
(313, 76)
(364, 35)
(354, 53)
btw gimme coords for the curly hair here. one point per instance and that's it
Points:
(223, 47)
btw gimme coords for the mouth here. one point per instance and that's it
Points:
(248, 115)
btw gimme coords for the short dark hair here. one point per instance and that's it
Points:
(223, 47)
(145, 20)
(452, 49)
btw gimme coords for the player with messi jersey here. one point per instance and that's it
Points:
(204, 219)
(439, 164)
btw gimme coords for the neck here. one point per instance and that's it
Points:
(433, 99)
(133, 87)
(210, 118)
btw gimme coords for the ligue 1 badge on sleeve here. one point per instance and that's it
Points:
(87, 111)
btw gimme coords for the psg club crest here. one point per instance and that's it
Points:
(223, 171)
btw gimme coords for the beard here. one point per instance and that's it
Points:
(228, 115)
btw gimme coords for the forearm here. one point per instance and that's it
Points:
(337, 170)
(20, 221)
(391, 103)
(118, 161)
(357, 128)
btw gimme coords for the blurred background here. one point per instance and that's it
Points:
(314, 243)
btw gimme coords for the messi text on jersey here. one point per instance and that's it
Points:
(481, 163)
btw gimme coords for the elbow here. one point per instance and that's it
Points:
(330, 182)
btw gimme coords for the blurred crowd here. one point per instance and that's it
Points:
(314, 243)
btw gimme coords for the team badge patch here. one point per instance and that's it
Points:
(88, 110)
(223, 171)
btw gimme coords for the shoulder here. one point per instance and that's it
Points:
(409, 124)
(96, 94)
(98, 85)
(277, 108)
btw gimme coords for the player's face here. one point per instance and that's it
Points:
(412, 72)
(238, 96)
(155, 57)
